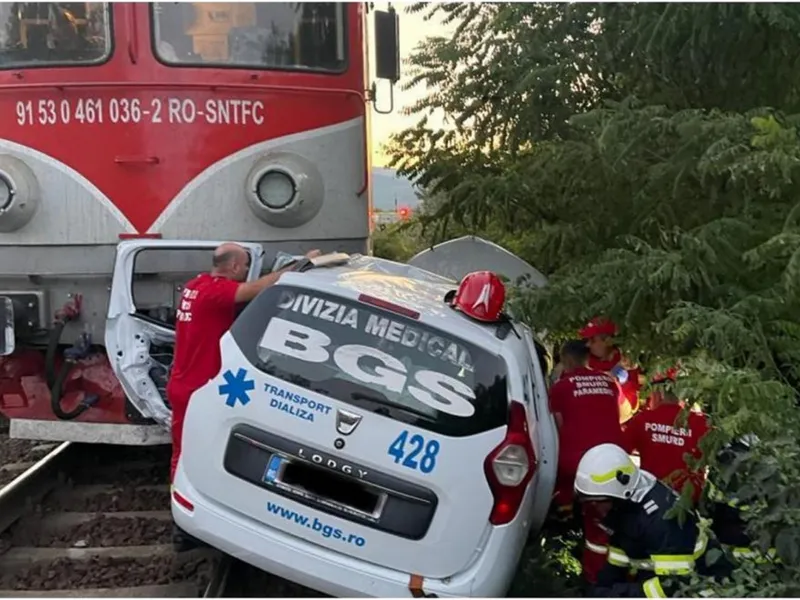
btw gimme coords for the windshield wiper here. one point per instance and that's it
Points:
(386, 403)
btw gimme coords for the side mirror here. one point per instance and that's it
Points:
(387, 45)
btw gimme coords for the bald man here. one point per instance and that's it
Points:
(207, 311)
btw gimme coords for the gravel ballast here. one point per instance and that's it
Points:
(66, 574)
(100, 532)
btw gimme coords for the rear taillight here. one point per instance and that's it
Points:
(181, 500)
(510, 466)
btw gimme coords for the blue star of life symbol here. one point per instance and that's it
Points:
(236, 387)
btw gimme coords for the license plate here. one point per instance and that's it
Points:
(332, 489)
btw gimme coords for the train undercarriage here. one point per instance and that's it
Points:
(111, 390)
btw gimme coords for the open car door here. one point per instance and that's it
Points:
(140, 341)
(455, 258)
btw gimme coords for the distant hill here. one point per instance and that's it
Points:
(387, 186)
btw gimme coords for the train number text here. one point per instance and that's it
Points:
(177, 111)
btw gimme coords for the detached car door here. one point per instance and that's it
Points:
(455, 258)
(140, 330)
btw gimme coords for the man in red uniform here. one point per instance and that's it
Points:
(585, 405)
(207, 310)
(662, 443)
(605, 356)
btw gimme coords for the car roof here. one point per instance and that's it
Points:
(408, 286)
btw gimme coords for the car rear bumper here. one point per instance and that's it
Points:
(331, 572)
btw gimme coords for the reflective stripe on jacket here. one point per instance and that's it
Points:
(651, 548)
(661, 564)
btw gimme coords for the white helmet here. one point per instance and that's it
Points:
(607, 471)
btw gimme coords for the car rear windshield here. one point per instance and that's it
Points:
(375, 360)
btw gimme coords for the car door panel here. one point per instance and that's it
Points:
(546, 434)
(137, 344)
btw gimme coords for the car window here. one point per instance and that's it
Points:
(374, 359)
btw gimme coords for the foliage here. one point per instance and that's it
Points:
(397, 241)
(548, 568)
(646, 157)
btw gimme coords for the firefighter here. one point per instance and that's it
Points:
(647, 551)
(207, 310)
(585, 406)
(662, 442)
(606, 356)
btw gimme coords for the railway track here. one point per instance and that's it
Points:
(94, 521)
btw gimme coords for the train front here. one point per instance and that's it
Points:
(185, 121)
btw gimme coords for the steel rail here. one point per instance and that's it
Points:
(33, 484)
(219, 580)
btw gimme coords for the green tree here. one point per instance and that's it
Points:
(646, 157)
(397, 241)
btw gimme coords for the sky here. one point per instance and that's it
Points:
(413, 29)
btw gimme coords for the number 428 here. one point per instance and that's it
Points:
(416, 444)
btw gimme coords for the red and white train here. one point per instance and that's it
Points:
(173, 126)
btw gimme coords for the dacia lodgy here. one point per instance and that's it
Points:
(375, 430)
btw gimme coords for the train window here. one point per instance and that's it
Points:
(47, 34)
(307, 36)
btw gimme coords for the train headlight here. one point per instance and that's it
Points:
(6, 193)
(19, 193)
(284, 189)
(275, 189)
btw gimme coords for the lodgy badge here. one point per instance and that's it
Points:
(318, 459)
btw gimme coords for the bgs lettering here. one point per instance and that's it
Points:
(294, 404)
(318, 459)
(436, 390)
(394, 331)
(326, 531)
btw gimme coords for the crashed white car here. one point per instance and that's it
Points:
(363, 438)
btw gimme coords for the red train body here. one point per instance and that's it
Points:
(173, 121)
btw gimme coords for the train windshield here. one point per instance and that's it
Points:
(308, 36)
(47, 34)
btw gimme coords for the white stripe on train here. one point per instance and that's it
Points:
(94, 191)
(258, 148)
(186, 191)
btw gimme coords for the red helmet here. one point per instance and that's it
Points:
(598, 326)
(481, 295)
